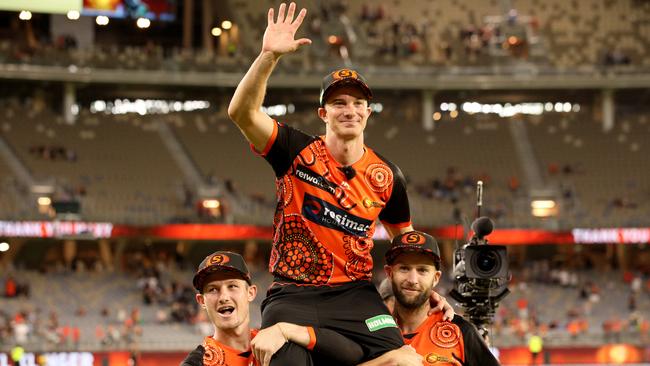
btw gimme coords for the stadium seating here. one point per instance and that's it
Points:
(122, 169)
(608, 188)
(560, 34)
(65, 293)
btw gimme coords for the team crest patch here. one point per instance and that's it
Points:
(344, 74)
(380, 322)
(413, 239)
(445, 334)
(218, 259)
(378, 177)
(214, 355)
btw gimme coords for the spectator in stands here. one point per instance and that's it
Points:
(10, 287)
(513, 184)
(614, 57)
(644, 330)
(535, 346)
(76, 337)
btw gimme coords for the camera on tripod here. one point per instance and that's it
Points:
(480, 272)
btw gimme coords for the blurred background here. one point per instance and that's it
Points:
(120, 170)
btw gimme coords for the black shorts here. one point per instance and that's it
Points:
(354, 310)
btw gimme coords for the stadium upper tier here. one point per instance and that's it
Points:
(441, 34)
(126, 168)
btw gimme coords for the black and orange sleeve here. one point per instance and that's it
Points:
(397, 211)
(476, 350)
(194, 358)
(283, 147)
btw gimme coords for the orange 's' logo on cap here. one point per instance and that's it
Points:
(413, 238)
(218, 259)
(344, 74)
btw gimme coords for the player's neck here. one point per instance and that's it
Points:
(410, 319)
(345, 152)
(238, 338)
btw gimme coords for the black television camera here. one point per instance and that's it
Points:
(480, 273)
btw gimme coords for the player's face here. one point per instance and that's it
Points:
(226, 298)
(345, 113)
(413, 276)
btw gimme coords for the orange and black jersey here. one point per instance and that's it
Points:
(214, 353)
(450, 343)
(326, 213)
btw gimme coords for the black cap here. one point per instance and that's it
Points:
(414, 241)
(340, 78)
(220, 261)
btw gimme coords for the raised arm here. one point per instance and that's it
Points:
(246, 103)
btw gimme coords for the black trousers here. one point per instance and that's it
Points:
(351, 323)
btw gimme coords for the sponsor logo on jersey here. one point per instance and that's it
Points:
(368, 203)
(433, 359)
(380, 322)
(326, 214)
(310, 177)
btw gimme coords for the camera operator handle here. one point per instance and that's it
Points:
(479, 197)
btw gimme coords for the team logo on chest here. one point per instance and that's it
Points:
(378, 177)
(445, 334)
(213, 355)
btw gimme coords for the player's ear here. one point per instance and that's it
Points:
(436, 278)
(200, 300)
(388, 270)
(322, 114)
(252, 292)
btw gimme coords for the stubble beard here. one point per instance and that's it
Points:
(412, 302)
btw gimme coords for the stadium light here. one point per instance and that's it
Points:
(216, 31)
(4, 246)
(143, 23)
(102, 20)
(44, 201)
(25, 15)
(211, 203)
(542, 204)
(226, 24)
(73, 15)
(543, 208)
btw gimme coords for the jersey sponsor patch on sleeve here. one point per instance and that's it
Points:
(380, 322)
